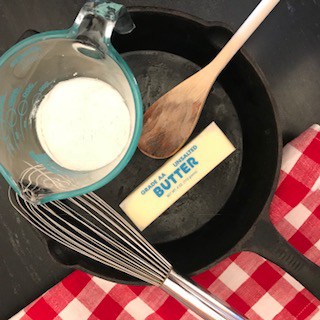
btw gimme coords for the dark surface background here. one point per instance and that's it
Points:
(286, 48)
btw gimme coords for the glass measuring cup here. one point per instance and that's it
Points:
(30, 69)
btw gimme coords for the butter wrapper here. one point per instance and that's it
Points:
(178, 175)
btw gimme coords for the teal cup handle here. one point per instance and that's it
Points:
(30, 69)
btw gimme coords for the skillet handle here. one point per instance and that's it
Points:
(268, 243)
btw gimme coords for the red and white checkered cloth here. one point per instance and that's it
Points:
(249, 283)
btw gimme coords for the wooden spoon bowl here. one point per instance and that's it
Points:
(171, 119)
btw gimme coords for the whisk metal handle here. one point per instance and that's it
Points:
(197, 299)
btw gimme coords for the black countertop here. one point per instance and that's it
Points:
(287, 50)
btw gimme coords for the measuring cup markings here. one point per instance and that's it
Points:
(13, 97)
(2, 103)
(22, 69)
(22, 110)
(45, 86)
(29, 89)
(28, 52)
(12, 133)
(12, 117)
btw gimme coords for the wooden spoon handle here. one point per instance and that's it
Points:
(241, 36)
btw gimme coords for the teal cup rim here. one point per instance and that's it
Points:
(70, 34)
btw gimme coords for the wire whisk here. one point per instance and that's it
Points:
(91, 227)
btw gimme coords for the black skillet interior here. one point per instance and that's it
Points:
(205, 224)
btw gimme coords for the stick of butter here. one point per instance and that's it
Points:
(179, 174)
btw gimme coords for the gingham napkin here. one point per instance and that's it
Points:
(249, 283)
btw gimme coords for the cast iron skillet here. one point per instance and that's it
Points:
(227, 212)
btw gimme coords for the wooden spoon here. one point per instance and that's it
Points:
(170, 121)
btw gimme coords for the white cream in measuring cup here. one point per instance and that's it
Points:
(83, 124)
